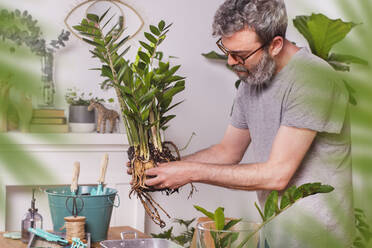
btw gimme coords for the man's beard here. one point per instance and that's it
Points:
(261, 73)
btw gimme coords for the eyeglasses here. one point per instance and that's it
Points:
(236, 57)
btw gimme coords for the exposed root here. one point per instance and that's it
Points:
(139, 165)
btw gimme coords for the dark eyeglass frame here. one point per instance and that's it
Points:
(236, 57)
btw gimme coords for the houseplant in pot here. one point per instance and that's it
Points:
(81, 120)
(145, 90)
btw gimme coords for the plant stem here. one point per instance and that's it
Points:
(117, 91)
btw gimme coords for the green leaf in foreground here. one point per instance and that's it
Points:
(322, 32)
(219, 218)
(292, 194)
(214, 55)
(204, 211)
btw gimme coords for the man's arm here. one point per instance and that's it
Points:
(289, 148)
(230, 150)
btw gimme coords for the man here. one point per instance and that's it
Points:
(293, 118)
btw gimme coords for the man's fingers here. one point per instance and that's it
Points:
(153, 181)
(151, 172)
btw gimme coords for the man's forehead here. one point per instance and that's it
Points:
(244, 39)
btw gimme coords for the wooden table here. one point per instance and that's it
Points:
(113, 234)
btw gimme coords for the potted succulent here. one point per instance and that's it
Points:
(145, 89)
(81, 120)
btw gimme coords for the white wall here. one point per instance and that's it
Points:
(209, 90)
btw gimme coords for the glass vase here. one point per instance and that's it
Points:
(244, 234)
(47, 78)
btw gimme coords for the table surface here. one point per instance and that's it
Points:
(113, 234)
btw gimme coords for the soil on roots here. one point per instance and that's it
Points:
(156, 157)
(139, 165)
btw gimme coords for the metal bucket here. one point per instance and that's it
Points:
(96, 208)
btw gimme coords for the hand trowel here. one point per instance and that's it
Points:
(101, 180)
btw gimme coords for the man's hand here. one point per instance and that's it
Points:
(170, 175)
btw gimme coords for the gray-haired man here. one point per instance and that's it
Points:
(295, 121)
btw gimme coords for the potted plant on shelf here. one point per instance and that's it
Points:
(81, 120)
(145, 90)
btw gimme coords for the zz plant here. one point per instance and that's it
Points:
(145, 89)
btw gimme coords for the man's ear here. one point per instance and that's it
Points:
(276, 46)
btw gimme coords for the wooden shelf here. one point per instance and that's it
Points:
(64, 138)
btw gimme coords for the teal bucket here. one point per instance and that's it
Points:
(96, 208)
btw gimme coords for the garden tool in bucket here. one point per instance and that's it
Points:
(75, 210)
(101, 180)
(96, 208)
(75, 178)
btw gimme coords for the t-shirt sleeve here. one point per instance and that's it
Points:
(238, 119)
(320, 106)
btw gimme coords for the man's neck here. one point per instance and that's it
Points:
(285, 55)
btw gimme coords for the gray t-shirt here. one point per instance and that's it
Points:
(304, 94)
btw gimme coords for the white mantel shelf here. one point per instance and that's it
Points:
(56, 153)
(66, 141)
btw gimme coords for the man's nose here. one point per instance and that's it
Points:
(231, 61)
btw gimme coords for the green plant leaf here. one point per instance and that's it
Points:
(352, 99)
(144, 57)
(151, 38)
(106, 72)
(219, 218)
(130, 104)
(159, 55)
(347, 59)
(228, 239)
(154, 30)
(237, 83)
(173, 106)
(93, 43)
(321, 32)
(165, 119)
(164, 235)
(161, 25)
(148, 47)
(214, 55)
(124, 52)
(108, 21)
(271, 204)
(148, 97)
(93, 17)
(259, 211)
(168, 94)
(104, 15)
(204, 211)
(288, 197)
(231, 223)
(339, 66)
(79, 28)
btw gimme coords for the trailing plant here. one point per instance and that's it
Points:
(184, 238)
(145, 89)
(72, 97)
(272, 209)
(20, 28)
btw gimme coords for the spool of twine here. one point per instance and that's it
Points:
(75, 227)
